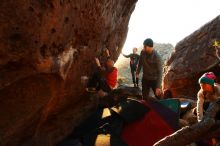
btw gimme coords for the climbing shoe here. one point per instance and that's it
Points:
(91, 90)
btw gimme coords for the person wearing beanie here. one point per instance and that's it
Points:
(151, 63)
(148, 42)
(209, 92)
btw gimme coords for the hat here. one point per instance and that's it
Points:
(210, 75)
(208, 78)
(148, 42)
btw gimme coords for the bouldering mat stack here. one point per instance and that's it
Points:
(173, 104)
(130, 123)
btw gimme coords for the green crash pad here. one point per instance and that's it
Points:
(173, 104)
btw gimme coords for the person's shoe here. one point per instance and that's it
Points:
(101, 93)
(91, 90)
(104, 129)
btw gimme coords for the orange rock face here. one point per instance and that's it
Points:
(193, 56)
(46, 46)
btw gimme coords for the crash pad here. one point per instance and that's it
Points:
(173, 104)
(147, 130)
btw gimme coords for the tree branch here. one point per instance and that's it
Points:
(190, 134)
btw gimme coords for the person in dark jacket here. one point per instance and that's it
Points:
(151, 63)
(134, 59)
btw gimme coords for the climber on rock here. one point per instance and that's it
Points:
(209, 92)
(134, 59)
(151, 63)
(105, 79)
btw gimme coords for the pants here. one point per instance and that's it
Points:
(146, 86)
(133, 73)
(99, 82)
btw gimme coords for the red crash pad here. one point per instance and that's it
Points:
(147, 130)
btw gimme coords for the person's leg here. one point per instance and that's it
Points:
(133, 76)
(154, 87)
(137, 81)
(98, 82)
(104, 86)
(145, 89)
(94, 80)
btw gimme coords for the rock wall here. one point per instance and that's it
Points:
(192, 56)
(46, 46)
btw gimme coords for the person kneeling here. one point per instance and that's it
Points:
(105, 79)
(209, 92)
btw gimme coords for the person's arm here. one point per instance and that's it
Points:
(126, 56)
(97, 62)
(200, 102)
(108, 54)
(160, 71)
(101, 69)
(140, 64)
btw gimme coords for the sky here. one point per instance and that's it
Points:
(168, 21)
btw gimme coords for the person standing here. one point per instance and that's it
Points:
(134, 59)
(151, 63)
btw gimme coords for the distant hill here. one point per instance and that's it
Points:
(164, 50)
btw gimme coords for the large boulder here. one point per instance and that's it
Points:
(46, 46)
(192, 56)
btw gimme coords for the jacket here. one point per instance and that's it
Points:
(134, 59)
(152, 66)
(111, 77)
(209, 98)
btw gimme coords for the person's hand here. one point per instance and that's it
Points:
(107, 52)
(97, 62)
(102, 68)
(158, 92)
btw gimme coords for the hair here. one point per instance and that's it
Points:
(135, 48)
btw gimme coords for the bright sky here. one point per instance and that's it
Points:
(168, 21)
